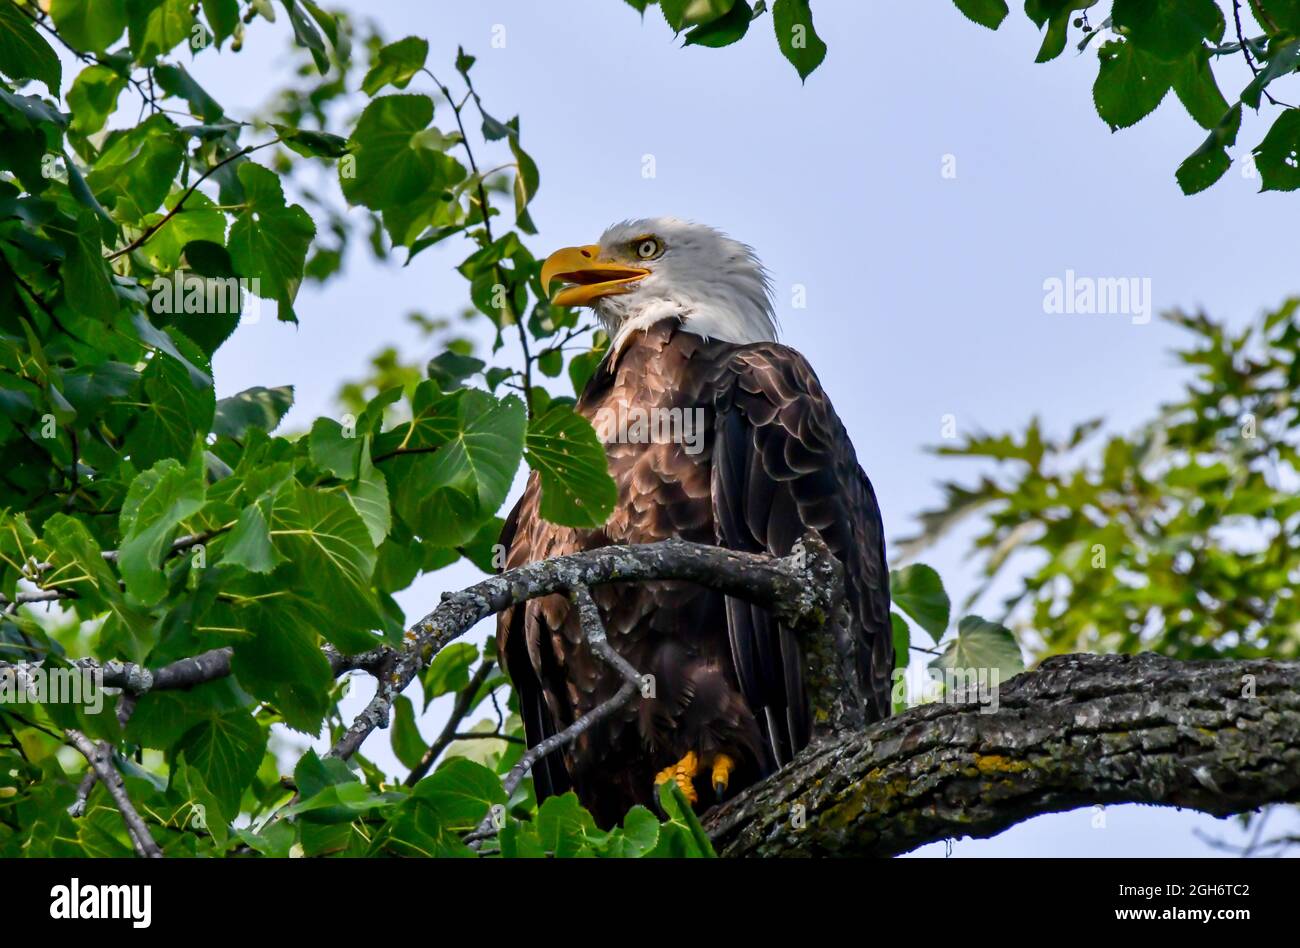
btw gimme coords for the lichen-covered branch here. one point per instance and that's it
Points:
(1222, 737)
(788, 586)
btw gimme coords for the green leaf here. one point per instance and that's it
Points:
(919, 592)
(158, 500)
(1169, 29)
(369, 497)
(396, 64)
(310, 143)
(639, 835)
(450, 369)
(161, 718)
(1194, 83)
(445, 495)
(1055, 14)
(1130, 84)
(90, 25)
(334, 448)
(283, 664)
(988, 13)
(173, 410)
(209, 817)
(157, 26)
(330, 561)
(256, 407)
(564, 450)
(981, 644)
(134, 172)
(408, 745)
(93, 98)
(269, 240)
(566, 830)
(725, 30)
(197, 220)
(902, 639)
(1281, 62)
(1208, 163)
(249, 544)
(583, 366)
(307, 36)
(226, 750)
(399, 167)
(391, 166)
(461, 792)
(683, 13)
(796, 37)
(24, 54)
(527, 179)
(177, 81)
(74, 553)
(86, 280)
(1278, 156)
(449, 670)
(681, 835)
(222, 17)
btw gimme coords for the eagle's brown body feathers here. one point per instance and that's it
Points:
(773, 460)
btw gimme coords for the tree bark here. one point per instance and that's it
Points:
(1222, 737)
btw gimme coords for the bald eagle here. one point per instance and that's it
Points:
(715, 433)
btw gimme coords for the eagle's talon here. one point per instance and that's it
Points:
(722, 768)
(683, 773)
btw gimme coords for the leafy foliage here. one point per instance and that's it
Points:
(1152, 47)
(718, 23)
(1180, 537)
(138, 229)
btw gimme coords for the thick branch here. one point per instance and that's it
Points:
(1221, 737)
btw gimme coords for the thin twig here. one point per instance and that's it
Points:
(485, 211)
(464, 704)
(180, 204)
(1250, 60)
(100, 758)
(593, 631)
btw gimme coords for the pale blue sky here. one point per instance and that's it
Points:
(924, 293)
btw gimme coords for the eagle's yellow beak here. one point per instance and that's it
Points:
(589, 276)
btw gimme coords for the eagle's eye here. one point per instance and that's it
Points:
(647, 248)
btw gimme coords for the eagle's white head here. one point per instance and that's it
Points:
(662, 267)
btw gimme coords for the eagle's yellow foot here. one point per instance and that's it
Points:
(683, 772)
(722, 768)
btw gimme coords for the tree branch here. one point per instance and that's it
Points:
(1220, 737)
(100, 758)
(790, 586)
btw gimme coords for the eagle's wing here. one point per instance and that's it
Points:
(783, 463)
(550, 776)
